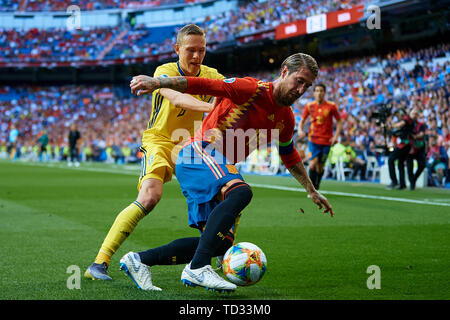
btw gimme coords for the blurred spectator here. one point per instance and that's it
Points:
(418, 149)
(359, 160)
(74, 136)
(437, 162)
(12, 140)
(43, 142)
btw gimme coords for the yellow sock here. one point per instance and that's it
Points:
(122, 227)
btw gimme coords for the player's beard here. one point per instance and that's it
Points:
(289, 98)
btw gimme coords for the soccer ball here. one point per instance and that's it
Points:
(244, 264)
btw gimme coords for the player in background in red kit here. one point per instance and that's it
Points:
(320, 134)
(248, 113)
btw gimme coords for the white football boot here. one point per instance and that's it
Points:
(138, 272)
(205, 277)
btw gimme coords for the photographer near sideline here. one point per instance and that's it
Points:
(403, 131)
(417, 150)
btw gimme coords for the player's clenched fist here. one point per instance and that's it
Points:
(143, 84)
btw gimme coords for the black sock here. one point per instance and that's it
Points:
(313, 176)
(179, 251)
(221, 219)
(318, 180)
(224, 245)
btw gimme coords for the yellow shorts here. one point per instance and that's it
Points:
(158, 160)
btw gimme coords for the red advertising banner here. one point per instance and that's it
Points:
(345, 17)
(288, 30)
(140, 4)
(320, 23)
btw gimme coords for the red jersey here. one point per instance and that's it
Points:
(321, 128)
(244, 118)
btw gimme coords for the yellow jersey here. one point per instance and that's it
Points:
(165, 118)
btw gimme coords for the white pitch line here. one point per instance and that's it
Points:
(439, 199)
(347, 194)
(258, 185)
(82, 168)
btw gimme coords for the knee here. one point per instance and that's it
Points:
(149, 198)
(239, 190)
(314, 164)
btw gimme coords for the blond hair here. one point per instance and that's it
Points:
(188, 30)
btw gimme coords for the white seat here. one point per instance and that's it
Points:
(373, 169)
(341, 170)
(328, 170)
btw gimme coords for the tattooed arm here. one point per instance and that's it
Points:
(144, 84)
(238, 90)
(171, 88)
(298, 171)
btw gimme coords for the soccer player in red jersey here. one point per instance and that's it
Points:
(320, 133)
(248, 113)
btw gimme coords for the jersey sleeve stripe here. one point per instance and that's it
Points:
(284, 144)
(286, 148)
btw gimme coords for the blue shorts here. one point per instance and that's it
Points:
(319, 150)
(202, 172)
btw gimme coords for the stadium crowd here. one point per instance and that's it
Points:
(111, 121)
(57, 45)
(85, 5)
(256, 16)
(110, 125)
(36, 45)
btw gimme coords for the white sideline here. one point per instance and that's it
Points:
(347, 194)
(257, 185)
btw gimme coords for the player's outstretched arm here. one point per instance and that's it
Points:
(298, 171)
(144, 84)
(186, 101)
(238, 90)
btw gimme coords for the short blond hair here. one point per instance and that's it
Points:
(188, 30)
(298, 60)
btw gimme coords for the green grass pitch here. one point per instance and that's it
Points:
(53, 217)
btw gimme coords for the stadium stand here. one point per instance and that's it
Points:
(126, 40)
(62, 5)
(53, 45)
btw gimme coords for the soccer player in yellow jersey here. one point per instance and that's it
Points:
(171, 110)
